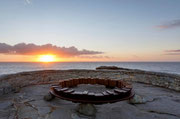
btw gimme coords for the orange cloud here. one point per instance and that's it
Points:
(32, 49)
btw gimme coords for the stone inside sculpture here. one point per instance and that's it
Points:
(119, 91)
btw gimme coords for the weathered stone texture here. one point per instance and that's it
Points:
(10, 83)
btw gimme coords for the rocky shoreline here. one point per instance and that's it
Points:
(13, 82)
(22, 95)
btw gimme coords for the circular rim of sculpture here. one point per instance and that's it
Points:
(121, 91)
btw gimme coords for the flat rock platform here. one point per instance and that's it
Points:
(160, 103)
(21, 95)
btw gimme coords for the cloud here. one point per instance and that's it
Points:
(178, 50)
(28, 1)
(95, 57)
(33, 49)
(173, 52)
(172, 24)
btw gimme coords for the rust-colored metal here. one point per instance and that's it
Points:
(64, 90)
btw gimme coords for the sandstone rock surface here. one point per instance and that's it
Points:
(11, 82)
(161, 101)
(86, 109)
(137, 100)
(29, 103)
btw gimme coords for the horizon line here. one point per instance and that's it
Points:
(81, 61)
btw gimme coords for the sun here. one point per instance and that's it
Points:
(47, 58)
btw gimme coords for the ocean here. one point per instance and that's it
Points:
(167, 67)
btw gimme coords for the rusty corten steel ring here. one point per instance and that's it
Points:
(64, 90)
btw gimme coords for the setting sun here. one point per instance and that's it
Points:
(47, 58)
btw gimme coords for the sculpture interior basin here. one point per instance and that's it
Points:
(114, 90)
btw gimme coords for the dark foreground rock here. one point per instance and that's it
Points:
(86, 109)
(137, 100)
(14, 82)
(22, 95)
(110, 68)
(160, 103)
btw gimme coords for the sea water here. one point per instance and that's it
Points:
(10, 67)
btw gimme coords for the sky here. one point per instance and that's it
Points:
(90, 30)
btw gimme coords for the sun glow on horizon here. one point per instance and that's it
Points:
(47, 58)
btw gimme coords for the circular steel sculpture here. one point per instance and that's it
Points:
(120, 91)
